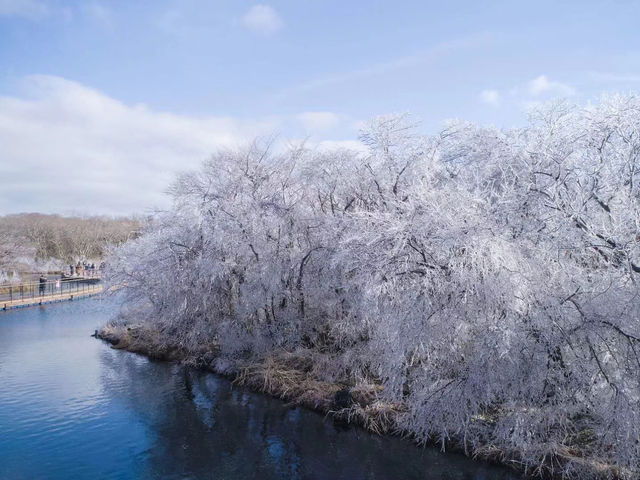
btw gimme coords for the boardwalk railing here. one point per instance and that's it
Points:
(36, 292)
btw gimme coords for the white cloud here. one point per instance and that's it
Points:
(66, 147)
(543, 86)
(529, 95)
(32, 9)
(490, 97)
(262, 19)
(69, 148)
(318, 121)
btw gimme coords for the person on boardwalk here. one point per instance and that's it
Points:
(43, 284)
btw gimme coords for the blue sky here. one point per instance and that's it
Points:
(115, 90)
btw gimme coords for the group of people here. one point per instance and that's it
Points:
(83, 269)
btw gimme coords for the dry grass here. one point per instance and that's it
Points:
(288, 376)
(365, 394)
(378, 417)
(557, 463)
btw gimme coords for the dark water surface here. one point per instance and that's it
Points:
(73, 408)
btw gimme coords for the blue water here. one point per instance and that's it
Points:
(73, 408)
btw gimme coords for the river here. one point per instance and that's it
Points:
(72, 407)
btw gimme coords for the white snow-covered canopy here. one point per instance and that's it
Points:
(488, 279)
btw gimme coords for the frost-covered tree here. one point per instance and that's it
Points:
(487, 279)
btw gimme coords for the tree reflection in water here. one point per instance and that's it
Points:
(203, 427)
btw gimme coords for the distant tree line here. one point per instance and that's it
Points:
(28, 239)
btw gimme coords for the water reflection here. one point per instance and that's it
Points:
(71, 407)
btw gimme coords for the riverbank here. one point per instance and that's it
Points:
(291, 376)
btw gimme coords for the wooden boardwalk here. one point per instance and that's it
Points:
(86, 290)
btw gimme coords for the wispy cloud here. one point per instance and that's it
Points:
(611, 77)
(31, 9)
(171, 22)
(263, 20)
(423, 57)
(100, 13)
